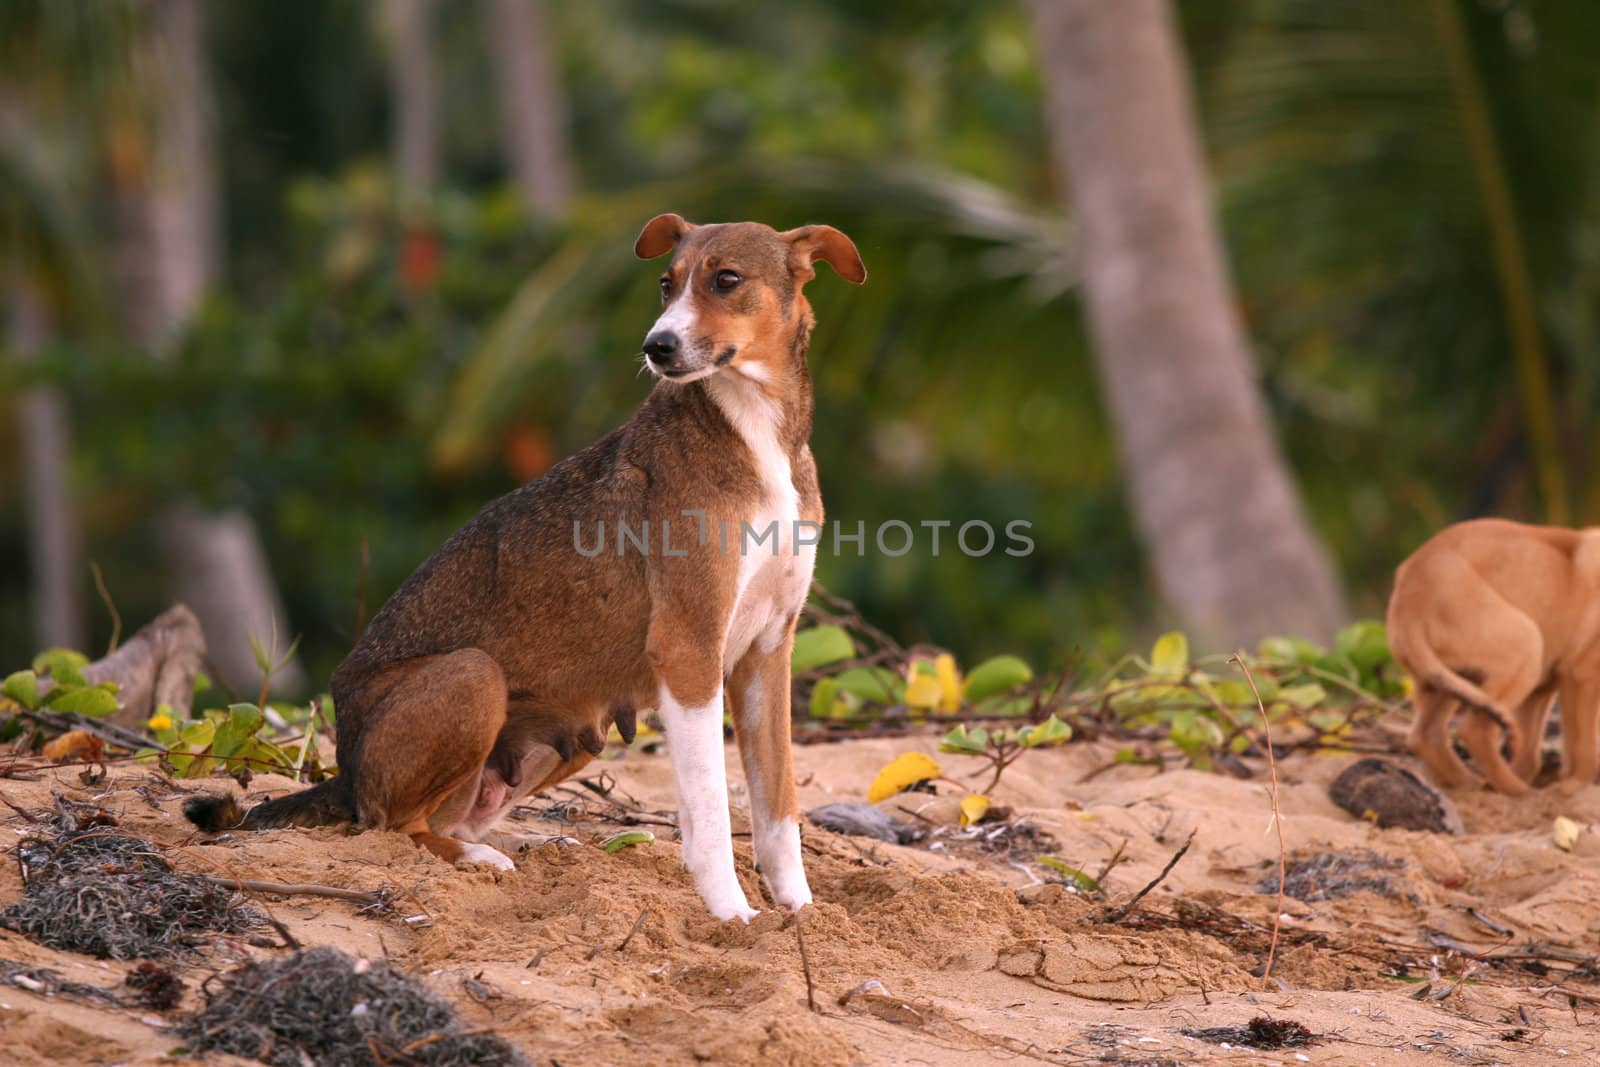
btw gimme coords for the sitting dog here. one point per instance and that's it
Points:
(498, 668)
(1500, 618)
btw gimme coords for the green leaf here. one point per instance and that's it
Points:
(820, 646)
(1289, 650)
(1339, 666)
(1304, 696)
(999, 674)
(264, 755)
(23, 687)
(93, 701)
(627, 839)
(1365, 643)
(1084, 882)
(877, 684)
(62, 664)
(965, 741)
(194, 739)
(822, 697)
(235, 731)
(1050, 732)
(1170, 656)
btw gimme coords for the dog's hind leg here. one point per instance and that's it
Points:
(1531, 717)
(758, 695)
(1429, 739)
(427, 743)
(1580, 705)
(1512, 684)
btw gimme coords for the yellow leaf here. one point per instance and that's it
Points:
(1407, 686)
(973, 809)
(68, 746)
(949, 679)
(902, 772)
(923, 691)
(1566, 833)
(159, 721)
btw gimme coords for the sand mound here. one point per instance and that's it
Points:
(1471, 948)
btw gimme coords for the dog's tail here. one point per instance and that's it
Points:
(1432, 671)
(324, 804)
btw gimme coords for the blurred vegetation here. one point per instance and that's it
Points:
(353, 386)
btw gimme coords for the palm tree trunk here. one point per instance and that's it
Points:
(55, 555)
(172, 230)
(414, 91)
(532, 105)
(1210, 492)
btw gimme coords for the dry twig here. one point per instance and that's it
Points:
(1277, 816)
(1121, 912)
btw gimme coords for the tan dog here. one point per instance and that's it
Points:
(1499, 618)
(664, 567)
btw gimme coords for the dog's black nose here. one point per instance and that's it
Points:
(661, 346)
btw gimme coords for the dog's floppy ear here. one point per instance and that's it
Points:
(661, 235)
(811, 243)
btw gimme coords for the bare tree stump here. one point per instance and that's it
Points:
(155, 666)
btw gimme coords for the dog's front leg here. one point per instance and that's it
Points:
(694, 742)
(758, 694)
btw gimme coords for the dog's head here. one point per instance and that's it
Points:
(732, 291)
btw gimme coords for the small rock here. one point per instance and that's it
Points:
(1391, 796)
(863, 820)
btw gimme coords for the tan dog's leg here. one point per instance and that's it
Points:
(1580, 706)
(1429, 739)
(428, 742)
(1531, 717)
(1509, 683)
(758, 695)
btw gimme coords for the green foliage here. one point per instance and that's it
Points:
(924, 685)
(996, 676)
(999, 747)
(1079, 880)
(56, 683)
(1206, 708)
(234, 739)
(627, 839)
(231, 739)
(820, 646)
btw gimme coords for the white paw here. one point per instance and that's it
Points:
(473, 852)
(793, 899)
(733, 910)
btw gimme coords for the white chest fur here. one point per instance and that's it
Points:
(775, 564)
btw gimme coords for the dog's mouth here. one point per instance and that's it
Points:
(702, 370)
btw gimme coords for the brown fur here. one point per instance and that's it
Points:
(1499, 618)
(498, 667)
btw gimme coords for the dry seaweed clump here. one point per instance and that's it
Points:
(88, 888)
(321, 1006)
(1331, 875)
(1262, 1032)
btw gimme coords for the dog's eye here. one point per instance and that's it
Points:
(666, 285)
(727, 279)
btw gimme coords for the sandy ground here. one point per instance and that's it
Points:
(977, 962)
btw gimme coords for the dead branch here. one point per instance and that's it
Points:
(1121, 912)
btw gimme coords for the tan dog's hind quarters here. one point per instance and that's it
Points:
(498, 668)
(1497, 619)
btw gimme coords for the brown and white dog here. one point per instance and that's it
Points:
(498, 667)
(1500, 618)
